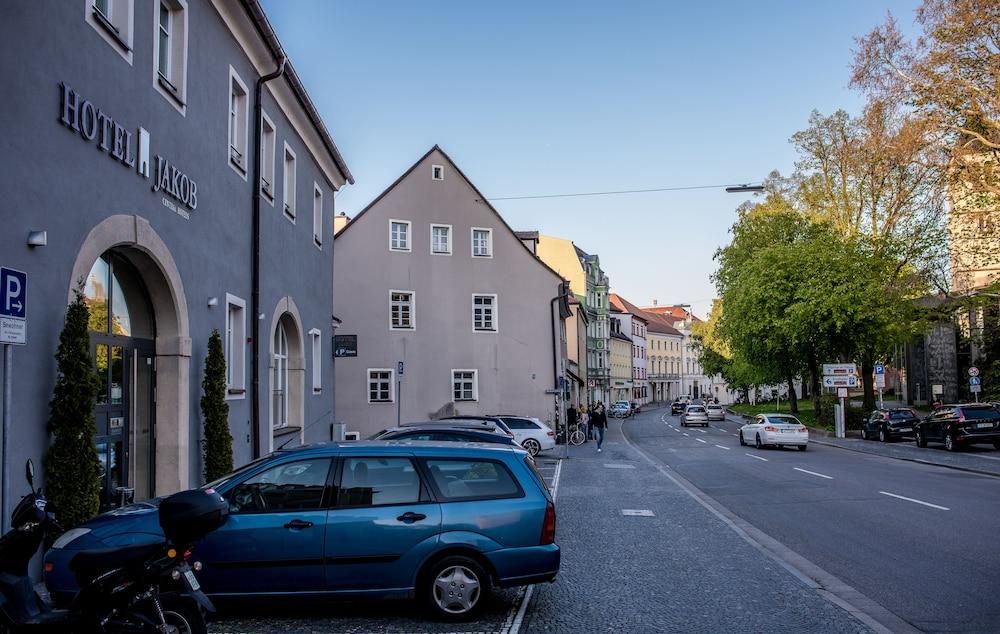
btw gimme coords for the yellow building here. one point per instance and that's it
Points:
(621, 365)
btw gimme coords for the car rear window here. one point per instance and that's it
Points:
(697, 409)
(901, 414)
(980, 413)
(472, 479)
(784, 420)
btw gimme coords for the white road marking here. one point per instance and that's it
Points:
(700, 440)
(736, 434)
(637, 513)
(757, 457)
(723, 447)
(686, 434)
(903, 497)
(701, 431)
(618, 465)
(818, 475)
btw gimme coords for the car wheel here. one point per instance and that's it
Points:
(532, 446)
(882, 436)
(743, 443)
(803, 447)
(950, 443)
(864, 434)
(455, 588)
(757, 443)
(918, 437)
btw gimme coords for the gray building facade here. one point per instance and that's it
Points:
(452, 312)
(130, 140)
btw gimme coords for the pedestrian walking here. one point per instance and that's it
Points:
(599, 422)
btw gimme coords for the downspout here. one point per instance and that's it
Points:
(563, 294)
(255, 276)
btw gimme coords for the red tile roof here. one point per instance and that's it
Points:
(626, 306)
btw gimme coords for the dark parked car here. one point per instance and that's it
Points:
(889, 424)
(958, 426)
(442, 433)
(677, 407)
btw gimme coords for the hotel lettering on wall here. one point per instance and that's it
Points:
(96, 126)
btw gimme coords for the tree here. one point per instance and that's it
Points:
(217, 445)
(72, 469)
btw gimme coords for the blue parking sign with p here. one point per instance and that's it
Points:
(13, 293)
(879, 369)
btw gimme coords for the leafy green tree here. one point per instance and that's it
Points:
(72, 468)
(217, 445)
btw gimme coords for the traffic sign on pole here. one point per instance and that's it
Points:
(973, 371)
(975, 380)
(13, 306)
(839, 369)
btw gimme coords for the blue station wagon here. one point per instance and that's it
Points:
(442, 522)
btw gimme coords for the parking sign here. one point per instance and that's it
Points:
(13, 306)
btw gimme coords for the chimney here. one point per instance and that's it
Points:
(654, 303)
(339, 222)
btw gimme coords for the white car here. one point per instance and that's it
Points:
(530, 433)
(694, 415)
(775, 430)
(716, 412)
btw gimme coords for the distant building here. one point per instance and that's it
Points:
(621, 362)
(453, 313)
(634, 322)
(663, 347)
(693, 381)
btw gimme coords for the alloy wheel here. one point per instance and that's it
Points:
(532, 446)
(456, 590)
(882, 436)
(949, 443)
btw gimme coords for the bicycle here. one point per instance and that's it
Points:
(577, 437)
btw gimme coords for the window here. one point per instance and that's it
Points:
(317, 359)
(441, 239)
(288, 195)
(465, 385)
(378, 482)
(170, 51)
(437, 172)
(279, 381)
(380, 388)
(399, 235)
(401, 310)
(482, 243)
(520, 423)
(113, 20)
(317, 216)
(267, 136)
(472, 479)
(484, 309)
(235, 345)
(237, 123)
(293, 486)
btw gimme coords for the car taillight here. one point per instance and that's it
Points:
(549, 525)
(551, 433)
(770, 428)
(961, 417)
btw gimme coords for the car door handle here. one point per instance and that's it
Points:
(298, 524)
(410, 517)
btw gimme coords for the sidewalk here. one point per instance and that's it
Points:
(683, 569)
(977, 459)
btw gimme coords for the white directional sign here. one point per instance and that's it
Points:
(840, 381)
(975, 389)
(839, 369)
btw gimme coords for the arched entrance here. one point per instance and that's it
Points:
(141, 347)
(287, 375)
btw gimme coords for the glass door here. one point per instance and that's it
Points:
(113, 360)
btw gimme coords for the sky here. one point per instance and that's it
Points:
(551, 97)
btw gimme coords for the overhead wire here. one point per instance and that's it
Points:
(612, 193)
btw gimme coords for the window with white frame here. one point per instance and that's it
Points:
(235, 346)
(170, 51)
(267, 141)
(465, 385)
(399, 235)
(484, 313)
(288, 195)
(114, 20)
(482, 243)
(380, 385)
(401, 310)
(317, 215)
(317, 359)
(437, 172)
(441, 239)
(237, 123)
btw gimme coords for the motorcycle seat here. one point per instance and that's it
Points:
(87, 565)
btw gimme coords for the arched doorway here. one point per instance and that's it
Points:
(122, 345)
(287, 370)
(155, 310)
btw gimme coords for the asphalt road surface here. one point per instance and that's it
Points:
(919, 540)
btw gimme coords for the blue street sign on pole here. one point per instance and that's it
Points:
(879, 369)
(975, 380)
(13, 293)
(400, 368)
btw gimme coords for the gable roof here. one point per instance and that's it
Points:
(628, 307)
(659, 325)
(475, 189)
(672, 312)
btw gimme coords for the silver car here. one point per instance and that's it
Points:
(695, 415)
(716, 412)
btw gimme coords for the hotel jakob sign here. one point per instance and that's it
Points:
(131, 150)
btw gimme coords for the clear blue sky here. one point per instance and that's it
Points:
(552, 97)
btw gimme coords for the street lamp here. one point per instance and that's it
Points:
(739, 189)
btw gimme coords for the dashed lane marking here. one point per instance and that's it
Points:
(619, 465)
(724, 447)
(818, 475)
(687, 434)
(702, 431)
(701, 441)
(903, 497)
(637, 513)
(755, 457)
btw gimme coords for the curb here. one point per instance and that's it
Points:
(932, 463)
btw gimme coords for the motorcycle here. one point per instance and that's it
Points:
(143, 588)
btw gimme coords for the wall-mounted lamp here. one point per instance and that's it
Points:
(213, 301)
(260, 317)
(38, 238)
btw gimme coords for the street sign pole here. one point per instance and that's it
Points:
(8, 390)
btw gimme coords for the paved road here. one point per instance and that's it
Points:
(920, 540)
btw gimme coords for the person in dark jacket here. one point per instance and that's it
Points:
(599, 422)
